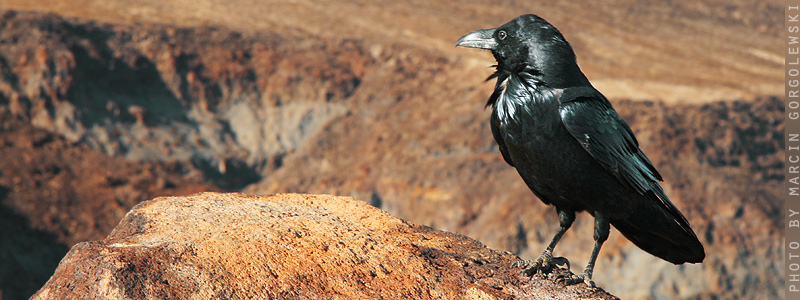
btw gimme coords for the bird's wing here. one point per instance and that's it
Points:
(591, 119)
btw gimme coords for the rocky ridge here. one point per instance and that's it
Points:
(287, 246)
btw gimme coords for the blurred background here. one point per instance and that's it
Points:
(104, 104)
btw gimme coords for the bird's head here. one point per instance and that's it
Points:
(529, 43)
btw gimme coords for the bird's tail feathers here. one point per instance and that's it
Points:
(655, 228)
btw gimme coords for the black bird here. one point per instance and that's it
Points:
(572, 149)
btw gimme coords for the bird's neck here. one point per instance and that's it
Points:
(560, 73)
(520, 78)
(565, 76)
(517, 94)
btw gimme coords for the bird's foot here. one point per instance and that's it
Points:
(586, 277)
(543, 264)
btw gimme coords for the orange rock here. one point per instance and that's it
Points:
(234, 246)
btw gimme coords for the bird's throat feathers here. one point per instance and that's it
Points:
(516, 93)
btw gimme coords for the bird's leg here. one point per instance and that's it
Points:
(545, 261)
(601, 230)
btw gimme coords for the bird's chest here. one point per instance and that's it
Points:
(536, 140)
(531, 124)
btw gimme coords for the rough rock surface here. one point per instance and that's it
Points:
(287, 246)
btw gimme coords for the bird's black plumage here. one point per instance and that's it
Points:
(572, 148)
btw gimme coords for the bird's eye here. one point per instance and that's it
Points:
(502, 35)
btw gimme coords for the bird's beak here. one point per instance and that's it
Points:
(482, 39)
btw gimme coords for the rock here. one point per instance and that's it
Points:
(294, 246)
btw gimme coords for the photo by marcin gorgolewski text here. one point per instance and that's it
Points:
(792, 141)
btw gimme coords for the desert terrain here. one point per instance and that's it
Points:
(105, 104)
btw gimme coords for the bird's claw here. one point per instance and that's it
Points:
(560, 262)
(543, 264)
(586, 277)
(522, 263)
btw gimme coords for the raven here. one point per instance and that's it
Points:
(572, 149)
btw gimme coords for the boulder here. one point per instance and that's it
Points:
(288, 246)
